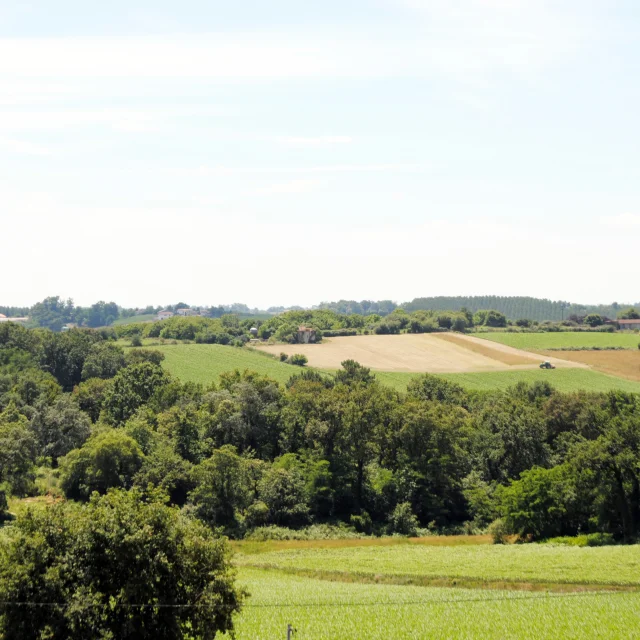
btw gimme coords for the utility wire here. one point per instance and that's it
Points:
(266, 605)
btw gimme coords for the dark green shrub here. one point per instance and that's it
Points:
(403, 521)
(499, 531)
(362, 522)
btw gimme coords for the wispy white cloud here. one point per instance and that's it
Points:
(312, 141)
(491, 35)
(116, 119)
(470, 35)
(149, 119)
(330, 168)
(622, 221)
(291, 187)
(24, 147)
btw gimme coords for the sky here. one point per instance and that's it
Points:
(287, 152)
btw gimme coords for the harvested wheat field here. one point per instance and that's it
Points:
(624, 363)
(431, 353)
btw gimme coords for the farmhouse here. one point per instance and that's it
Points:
(185, 311)
(162, 315)
(629, 324)
(306, 335)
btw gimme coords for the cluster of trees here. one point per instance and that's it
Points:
(328, 323)
(228, 329)
(54, 312)
(629, 314)
(11, 312)
(346, 317)
(247, 453)
(154, 470)
(515, 307)
(364, 307)
(126, 565)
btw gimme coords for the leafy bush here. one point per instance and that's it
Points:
(498, 531)
(542, 503)
(109, 459)
(118, 549)
(403, 521)
(314, 532)
(136, 341)
(362, 522)
(585, 540)
(340, 333)
(298, 359)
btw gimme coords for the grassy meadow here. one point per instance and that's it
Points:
(205, 362)
(562, 379)
(145, 317)
(562, 340)
(533, 563)
(325, 610)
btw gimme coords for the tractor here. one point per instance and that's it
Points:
(547, 365)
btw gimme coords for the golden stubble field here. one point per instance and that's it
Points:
(416, 353)
(623, 363)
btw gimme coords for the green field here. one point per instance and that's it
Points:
(326, 610)
(146, 317)
(205, 362)
(614, 565)
(561, 379)
(562, 340)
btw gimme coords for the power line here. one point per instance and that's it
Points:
(266, 605)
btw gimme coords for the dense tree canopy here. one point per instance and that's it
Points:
(125, 566)
(244, 454)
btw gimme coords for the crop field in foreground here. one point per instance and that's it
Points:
(205, 362)
(561, 379)
(323, 610)
(562, 340)
(614, 565)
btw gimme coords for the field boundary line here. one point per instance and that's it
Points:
(461, 582)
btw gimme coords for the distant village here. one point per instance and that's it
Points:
(184, 311)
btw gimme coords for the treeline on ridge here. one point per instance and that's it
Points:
(513, 307)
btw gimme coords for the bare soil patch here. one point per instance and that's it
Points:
(621, 363)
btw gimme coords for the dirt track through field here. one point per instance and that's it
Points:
(431, 353)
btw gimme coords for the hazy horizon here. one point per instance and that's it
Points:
(192, 303)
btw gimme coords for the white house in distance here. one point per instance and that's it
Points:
(629, 325)
(163, 315)
(185, 311)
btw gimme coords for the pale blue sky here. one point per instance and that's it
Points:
(290, 152)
